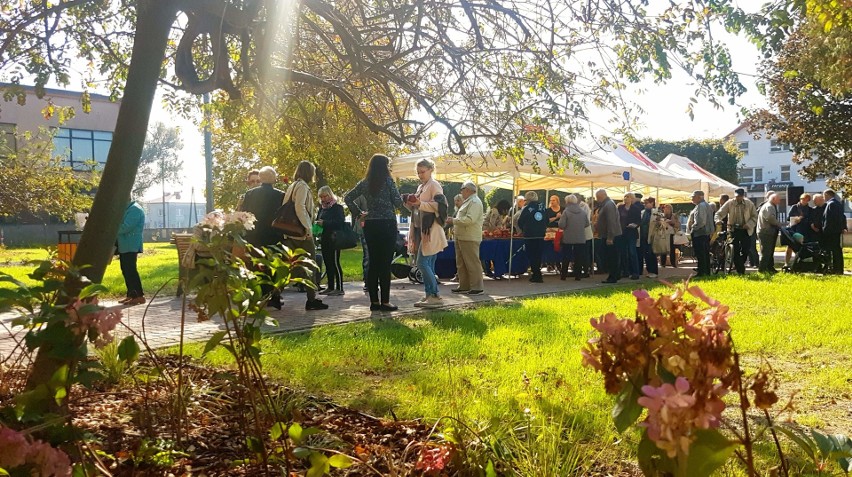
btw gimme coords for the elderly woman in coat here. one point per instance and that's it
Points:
(573, 223)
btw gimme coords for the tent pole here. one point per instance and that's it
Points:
(515, 192)
(594, 265)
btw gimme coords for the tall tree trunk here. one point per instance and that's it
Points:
(154, 21)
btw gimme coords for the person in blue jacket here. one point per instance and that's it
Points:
(129, 243)
(533, 222)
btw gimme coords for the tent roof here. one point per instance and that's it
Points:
(685, 167)
(608, 171)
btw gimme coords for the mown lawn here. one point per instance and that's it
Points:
(158, 265)
(502, 366)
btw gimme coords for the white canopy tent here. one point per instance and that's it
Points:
(608, 171)
(711, 184)
(618, 171)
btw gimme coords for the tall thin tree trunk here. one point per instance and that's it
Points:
(154, 21)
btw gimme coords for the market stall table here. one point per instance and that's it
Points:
(496, 251)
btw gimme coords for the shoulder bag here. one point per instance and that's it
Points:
(344, 238)
(286, 219)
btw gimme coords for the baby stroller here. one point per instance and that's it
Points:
(401, 266)
(809, 256)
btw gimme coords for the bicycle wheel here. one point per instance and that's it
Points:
(729, 258)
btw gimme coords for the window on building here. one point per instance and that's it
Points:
(743, 146)
(751, 175)
(8, 141)
(776, 146)
(81, 148)
(785, 173)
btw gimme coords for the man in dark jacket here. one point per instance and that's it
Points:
(833, 225)
(608, 229)
(801, 215)
(630, 216)
(533, 223)
(264, 202)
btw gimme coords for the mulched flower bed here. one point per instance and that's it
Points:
(133, 424)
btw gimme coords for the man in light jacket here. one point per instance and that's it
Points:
(608, 227)
(767, 233)
(741, 217)
(467, 229)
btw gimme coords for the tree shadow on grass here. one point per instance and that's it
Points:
(462, 321)
(395, 331)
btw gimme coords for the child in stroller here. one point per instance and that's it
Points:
(809, 258)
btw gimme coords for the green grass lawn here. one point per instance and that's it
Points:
(501, 365)
(158, 265)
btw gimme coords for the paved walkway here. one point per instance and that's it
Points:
(159, 321)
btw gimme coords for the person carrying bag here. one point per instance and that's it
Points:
(299, 194)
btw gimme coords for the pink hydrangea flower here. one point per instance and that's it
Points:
(13, 448)
(669, 415)
(16, 451)
(50, 461)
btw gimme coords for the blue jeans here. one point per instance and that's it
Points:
(427, 268)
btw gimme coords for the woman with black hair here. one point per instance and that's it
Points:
(497, 216)
(380, 232)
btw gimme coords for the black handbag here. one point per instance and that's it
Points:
(344, 238)
(287, 221)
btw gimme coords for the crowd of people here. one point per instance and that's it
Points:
(597, 236)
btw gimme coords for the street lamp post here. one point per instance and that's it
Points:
(208, 153)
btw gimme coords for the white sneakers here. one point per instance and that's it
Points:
(652, 275)
(430, 302)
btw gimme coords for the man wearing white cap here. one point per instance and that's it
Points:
(467, 229)
(741, 221)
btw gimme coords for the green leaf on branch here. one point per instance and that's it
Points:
(92, 290)
(213, 342)
(489, 469)
(253, 444)
(708, 452)
(319, 465)
(59, 395)
(627, 409)
(804, 441)
(652, 460)
(302, 452)
(665, 375)
(277, 430)
(340, 461)
(295, 432)
(128, 349)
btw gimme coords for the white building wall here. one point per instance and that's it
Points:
(28, 117)
(760, 155)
